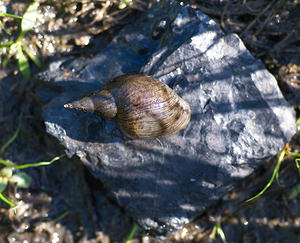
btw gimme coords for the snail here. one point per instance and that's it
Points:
(143, 107)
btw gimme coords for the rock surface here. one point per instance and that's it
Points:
(239, 116)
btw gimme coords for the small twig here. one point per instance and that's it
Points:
(210, 11)
(261, 27)
(223, 15)
(252, 10)
(257, 17)
(288, 36)
(14, 136)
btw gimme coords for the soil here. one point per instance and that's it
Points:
(51, 211)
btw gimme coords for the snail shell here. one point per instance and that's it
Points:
(143, 107)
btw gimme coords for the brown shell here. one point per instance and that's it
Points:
(146, 107)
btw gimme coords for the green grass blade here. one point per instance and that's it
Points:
(295, 192)
(274, 175)
(3, 184)
(39, 163)
(5, 162)
(160, 143)
(13, 137)
(132, 233)
(294, 154)
(59, 218)
(29, 17)
(9, 15)
(7, 44)
(7, 200)
(23, 63)
(297, 160)
(213, 232)
(5, 30)
(32, 57)
(220, 232)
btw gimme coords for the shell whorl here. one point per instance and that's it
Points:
(100, 102)
(143, 107)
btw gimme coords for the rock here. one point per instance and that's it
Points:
(239, 116)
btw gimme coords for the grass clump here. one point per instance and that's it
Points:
(10, 173)
(217, 230)
(284, 152)
(17, 47)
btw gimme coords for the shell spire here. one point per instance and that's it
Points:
(100, 102)
(143, 107)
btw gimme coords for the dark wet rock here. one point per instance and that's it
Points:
(239, 116)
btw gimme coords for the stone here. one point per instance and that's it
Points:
(239, 116)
